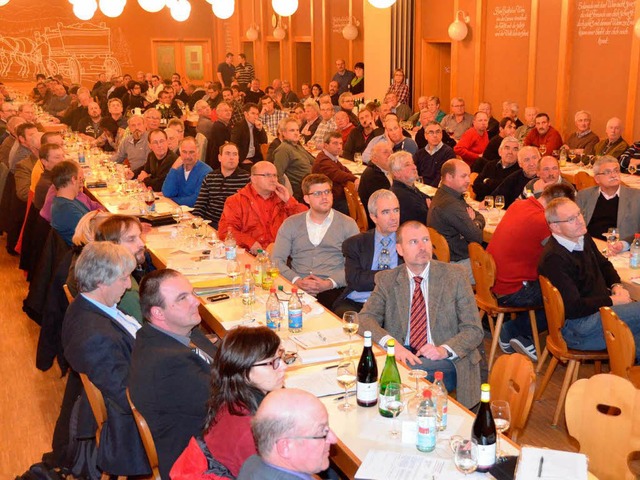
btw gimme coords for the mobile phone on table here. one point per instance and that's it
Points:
(217, 298)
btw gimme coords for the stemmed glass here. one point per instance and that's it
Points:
(346, 376)
(632, 169)
(542, 149)
(466, 456)
(414, 403)
(502, 417)
(350, 326)
(149, 199)
(233, 271)
(176, 213)
(357, 157)
(488, 202)
(499, 202)
(613, 235)
(393, 396)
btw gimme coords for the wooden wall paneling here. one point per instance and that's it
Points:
(632, 89)
(266, 27)
(324, 68)
(563, 80)
(350, 60)
(418, 55)
(455, 62)
(479, 52)
(533, 52)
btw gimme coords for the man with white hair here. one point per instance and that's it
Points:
(400, 109)
(529, 123)
(613, 144)
(413, 203)
(512, 186)
(583, 139)
(511, 109)
(458, 121)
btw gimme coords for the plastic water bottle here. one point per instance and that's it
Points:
(248, 286)
(441, 400)
(258, 269)
(427, 424)
(274, 311)
(295, 312)
(230, 246)
(634, 259)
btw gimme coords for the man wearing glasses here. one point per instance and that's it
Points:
(430, 159)
(585, 279)
(254, 214)
(610, 204)
(293, 437)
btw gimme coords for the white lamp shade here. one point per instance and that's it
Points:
(85, 9)
(223, 9)
(382, 3)
(3, 2)
(152, 6)
(252, 34)
(112, 8)
(279, 33)
(458, 30)
(181, 11)
(350, 32)
(285, 8)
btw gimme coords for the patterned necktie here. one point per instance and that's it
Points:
(203, 355)
(418, 317)
(384, 260)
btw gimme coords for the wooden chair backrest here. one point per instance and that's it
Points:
(513, 379)
(264, 148)
(621, 345)
(440, 245)
(202, 147)
(583, 180)
(601, 415)
(554, 310)
(147, 439)
(472, 178)
(484, 273)
(356, 208)
(351, 201)
(67, 293)
(96, 402)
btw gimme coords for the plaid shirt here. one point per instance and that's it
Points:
(324, 128)
(270, 122)
(401, 91)
(237, 116)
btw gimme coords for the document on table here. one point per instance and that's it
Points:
(541, 463)
(320, 383)
(382, 465)
(321, 338)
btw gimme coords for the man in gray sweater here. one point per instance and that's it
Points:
(313, 241)
(290, 158)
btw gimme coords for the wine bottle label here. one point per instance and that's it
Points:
(383, 400)
(486, 455)
(366, 392)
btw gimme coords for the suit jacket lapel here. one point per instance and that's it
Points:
(591, 204)
(403, 300)
(623, 206)
(367, 257)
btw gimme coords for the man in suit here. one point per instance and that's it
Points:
(369, 252)
(169, 379)
(610, 204)
(293, 437)
(413, 203)
(376, 175)
(98, 339)
(313, 241)
(429, 309)
(249, 135)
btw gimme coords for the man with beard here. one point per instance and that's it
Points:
(134, 147)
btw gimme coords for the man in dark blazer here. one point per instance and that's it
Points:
(376, 175)
(170, 373)
(249, 135)
(369, 252)
(97, 339)
(413, 203)
(429, 309)
(220, 134)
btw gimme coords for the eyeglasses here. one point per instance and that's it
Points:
(266, 175)
(287, 357)
(606, 173)
(572, 219)
(320, 193)
(324, 436)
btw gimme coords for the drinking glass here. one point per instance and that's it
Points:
(419, 181)
(499, 202)
(176, 213)
(542, 149)
(233, 271)
(393, 398)
(572, 156)
(488, 202)
(357, 157)
(613, 235)
(632, 169)
(149, 199)
(414, 403)
(350, 326)
(502, 418)
(346, 376)
(466, 456)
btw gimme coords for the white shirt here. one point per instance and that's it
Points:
(317, 231)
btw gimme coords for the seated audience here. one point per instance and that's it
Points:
(66, 209)
(495, 172)
(613, 144)
(512, 187)
(347, 102)
(492, 125)
(313, 242)
(327, 124)
(529, 124)
(543, 136)
(631, 157)
(343, 125)
(473, 142)
(361, 135)
(50, 156)
(426, 116)
(269, 116)
(583, 140)
(506, 128)
(248, 135)
(402, 110)
(458, 121)
(377, 175)
(311, 119)
(413, 203)
(183, 182)
(433, 105)
(547, 173)
(511, 109)
(289, 97)
(291, 158)
(159, 161)
(394, 134)
(220, 134)
(429, 160)
(89, 127)
(134, 148)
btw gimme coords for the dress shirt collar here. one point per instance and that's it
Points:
(609, 197)
(569, 245)
(332, 157)
(180, 338)
(315, 231)
(583, 134)
(424, 274)
(435, 149)
(127, 322)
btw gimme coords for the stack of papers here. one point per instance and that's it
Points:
(541, 463)
(382, 465)
(321, 338)
(320, 384)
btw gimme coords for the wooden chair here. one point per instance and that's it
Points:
(67, 293)
(603, 415)
(472, 178)
(264, 148)
(583, 180)
(557, 347)
(621, 346)
(513, 379)
(440, 245)
(147, 439)
(356, 208)
(202, 147)
(484, 273)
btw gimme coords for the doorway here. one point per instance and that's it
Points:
(190, 58)
(436, 71)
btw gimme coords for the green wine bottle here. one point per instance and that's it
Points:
(390, 374)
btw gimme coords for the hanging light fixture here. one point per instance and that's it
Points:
(3, 2)
(458, 29)
(223, 9)
(152, 6)
(112, 8)
(253, 32)
(350, 30)
(181, 10)
(285, 8)
(279, 32)
(382, 3)
(85, 9)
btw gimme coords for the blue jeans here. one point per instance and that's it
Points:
(445, 366)
(586, 333)
(529, 295)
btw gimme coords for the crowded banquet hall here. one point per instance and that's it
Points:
(226, 256)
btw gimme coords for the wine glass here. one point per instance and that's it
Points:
(393, 403)
(357, 157)
(499, 202)
(502, 418)
(466, 456)
(350, 326)
(414, 403)
(572, 156)
(149, 199)
(233, 271)
(346, 376)
(632, 169)
(542, 149)
(176, 213)
(488, 202)
(613, 235)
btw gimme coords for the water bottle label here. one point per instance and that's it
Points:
(426, 433)
(230, 253)
(486, 455)
(295, 318)
(273, 319)
(366, 392)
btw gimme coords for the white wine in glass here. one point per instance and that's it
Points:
(499, 202)
(350, 326)
(502, 418)
(466, 456)
(394, 404)
(346, 377)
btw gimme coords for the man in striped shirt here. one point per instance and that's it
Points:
(220, 184)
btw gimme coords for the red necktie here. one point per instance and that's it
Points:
(418, 317)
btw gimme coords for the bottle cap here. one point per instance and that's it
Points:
(294, 290)
(247, 265)
(272, 290)
(438, 375)
(281, 287)
(367, 334)
(259, 251)
(426, 393)
(485, 387)
(391, 342)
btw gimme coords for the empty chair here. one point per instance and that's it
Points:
(513, 379)
(147, 440)
(440, 245)
(583, 180)
(621, 346)
(557, 347)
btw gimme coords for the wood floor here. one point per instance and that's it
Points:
(30, 399)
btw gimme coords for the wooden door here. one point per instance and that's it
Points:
(190, 58)
(436, 71)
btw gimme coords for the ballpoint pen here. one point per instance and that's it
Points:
(540, 467)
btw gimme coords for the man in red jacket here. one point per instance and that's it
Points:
(254, 214)
(475, 140)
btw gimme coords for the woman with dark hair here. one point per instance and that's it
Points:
(316, 91)
(249, 364)
(399, 87)
(356, 87)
